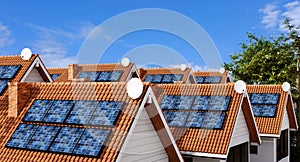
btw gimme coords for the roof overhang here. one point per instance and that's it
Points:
(204, 155)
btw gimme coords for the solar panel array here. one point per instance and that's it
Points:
(206, 112)
(78, 141)
(163, 78)
(55, 76)
(101, 76)
(264, 104)
(7, 73)
(208, 79)
(83, 112)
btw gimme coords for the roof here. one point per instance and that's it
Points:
(63, 74)
(272, 125)
(211, 141)
(75, 69)
(186, 73)
(100, 91)
(224, 77)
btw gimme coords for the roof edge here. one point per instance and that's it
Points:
(207, 155)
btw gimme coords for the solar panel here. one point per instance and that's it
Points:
(109, 76)
(82, 112)
(21, 136)
(201, 103)
(66, 140)
(37, 110)
(171, 78)
(213, 120)
(104, 76)
(264, 98)
(42, 138)
(212, 79)
(175, 118)
(106, 113)
(195, 119)
(183, 102)
(91, 142)
(264, 110)
(168, 102)
(219, 103)
(199, 79)
(54, 76)
(58, 111)
(8, 72)
(3, 85)
(92, 75)
(154, 78)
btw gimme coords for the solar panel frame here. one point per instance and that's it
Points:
(3, 85)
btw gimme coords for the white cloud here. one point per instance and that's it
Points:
(293, 12)
(195, 67)
(271, 15)
(5, 36)
(54, 45)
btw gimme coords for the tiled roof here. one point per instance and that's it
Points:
(225, 77)
(71, 91)
(63, 74)
(102, 67)
(213, 141)
(272, 125)
(186, 72)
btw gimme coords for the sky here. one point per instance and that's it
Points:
(58, 30)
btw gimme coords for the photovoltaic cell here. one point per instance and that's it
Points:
(199, 79)
(264, 110)
(82, 112)
(183, 102)
(3, 85)
(109, 76)
(195, 119)
(66, 140)
(92, 75)
(8, 72)
(201, 103)
(106, 113)
(175, 118)
(212, 79)
(42, 138)
(219, 103)
(213, 120)
(264, 98)
(21, 136)
(58, 112)
(168, 102)
(171, 78)
(91, 142)
(37, 110)
(54, 76)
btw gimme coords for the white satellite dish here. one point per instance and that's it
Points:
(222, 70)
(240, 86)
(134, 88)
(125, 62)
(183, 67)
(286, 86)
(26, 54)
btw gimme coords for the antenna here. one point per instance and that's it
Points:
(125, 62)
(134, 88)
(240, 86)
(222, 70)
(26, 54)
(286, 86)
(183, 67)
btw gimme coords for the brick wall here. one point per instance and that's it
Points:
(72, 71)
(18, 96)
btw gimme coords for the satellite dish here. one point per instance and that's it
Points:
(125, 62)
(222, 70)
(26, 54)
(240, 86)
(183, 67)
(286, 86)
(134, 88)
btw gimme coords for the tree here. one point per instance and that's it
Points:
(272, 60)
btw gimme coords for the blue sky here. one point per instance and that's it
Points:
(56, 29)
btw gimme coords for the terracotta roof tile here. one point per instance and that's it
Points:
(70, 91)
(204, 140)
(62, 71)
(272, 125)
(225, 78)
(186, 72)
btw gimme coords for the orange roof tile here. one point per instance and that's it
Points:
(186, 72)
(70, 91)
(225, 78)
(207, 140)
(272, 125)
(63, 74)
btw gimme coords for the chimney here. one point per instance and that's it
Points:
(19, 94)
(72, 71)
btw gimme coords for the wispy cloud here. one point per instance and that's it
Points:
(293, 12)
(54, 43)
(5, 36)
(271, 15)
